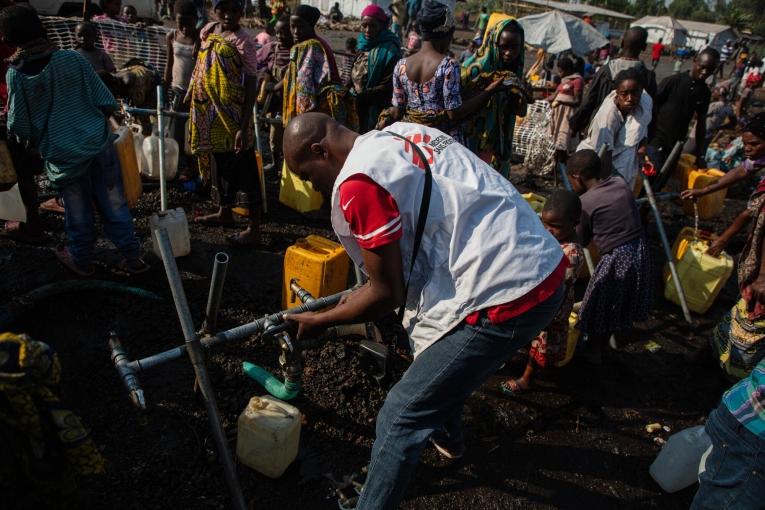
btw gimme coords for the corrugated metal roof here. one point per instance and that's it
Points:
(698, 26)
(578, 8)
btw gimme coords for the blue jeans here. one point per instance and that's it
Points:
(429, 397)
(735, 468)
(100, 187)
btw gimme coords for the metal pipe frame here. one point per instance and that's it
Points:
(161, 147)
(660, 197)
(667, 249)
(237, 333)
(303, 295)
(261, 172)
(129, 379)
(147, 111)
(196, 355)
(216, 292)
(670, 162)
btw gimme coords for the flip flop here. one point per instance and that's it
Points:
(511, 388)
(53, 206)
(236, 240)
(16, 231)
(136, 266)
(213, 222)
(65, 257)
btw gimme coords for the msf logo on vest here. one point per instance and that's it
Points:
(422, 140)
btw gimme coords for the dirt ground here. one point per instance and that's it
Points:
(554, 447)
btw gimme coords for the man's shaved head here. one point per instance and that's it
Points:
(634, 42)
(301, 132)
(315, 148)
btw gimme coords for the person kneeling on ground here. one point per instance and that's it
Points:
(486, 280)
(57, 103)
(560, 216)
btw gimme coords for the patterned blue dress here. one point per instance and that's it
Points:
(431, 99)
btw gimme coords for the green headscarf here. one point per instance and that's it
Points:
(384, 51)
(492, 128)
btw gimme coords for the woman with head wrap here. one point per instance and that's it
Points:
(371, 78)
(490, 133)
(312, 82)
(426, 85)
(739, 340)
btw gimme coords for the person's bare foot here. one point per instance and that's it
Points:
(53, 205)
(247, 237)
(222, 218)
(23, 233)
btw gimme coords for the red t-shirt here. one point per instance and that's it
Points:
(375, 221)
(657, 50)
(371, 212)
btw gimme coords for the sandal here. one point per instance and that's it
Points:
(53, 205)
(239, 239)
(133, 266)
(18, 232)
(65, 257)
(512, 388)
(212, 220)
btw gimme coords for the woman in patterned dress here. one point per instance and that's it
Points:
(426, 85)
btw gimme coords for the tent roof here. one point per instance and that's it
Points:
(698, 26)
(659, 21)
(556, 31)
(578, 8)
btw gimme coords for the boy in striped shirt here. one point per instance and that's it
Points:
(58, 105)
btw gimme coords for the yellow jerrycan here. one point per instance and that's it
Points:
(131, 174)
(298, 194)
(319, 265)
(701, 275)
(537, 202)
(710, 205)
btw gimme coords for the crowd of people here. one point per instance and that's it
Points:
(412, 148)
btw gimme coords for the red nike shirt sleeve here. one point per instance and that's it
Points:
(371, 212)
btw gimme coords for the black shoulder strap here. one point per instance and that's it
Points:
(421, 218)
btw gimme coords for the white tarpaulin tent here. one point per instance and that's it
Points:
(354, 7)
(349, 7)
(663, 27)
(557, 31)
(700, 34)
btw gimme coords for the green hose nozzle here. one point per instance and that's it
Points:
(286, 390)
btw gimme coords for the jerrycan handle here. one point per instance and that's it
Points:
(305, 245)
(264, 405)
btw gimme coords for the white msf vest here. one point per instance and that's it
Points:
(483, 245)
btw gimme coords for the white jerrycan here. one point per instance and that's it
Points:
(677, 465)
(11, 206)
(151, 154)
(177, 226)
(268, 435)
